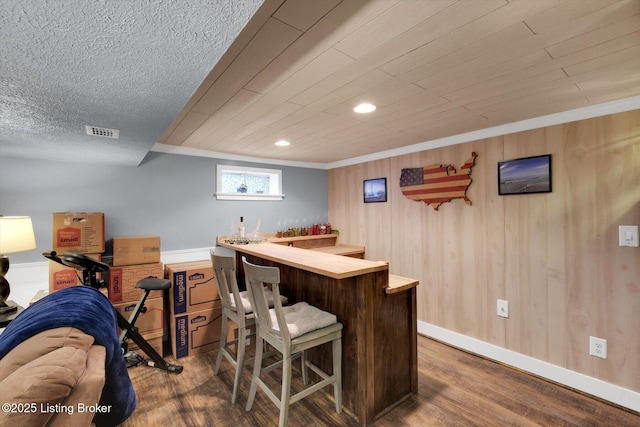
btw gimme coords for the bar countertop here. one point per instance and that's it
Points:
(327, 264)
(377, 311)
(340, 249)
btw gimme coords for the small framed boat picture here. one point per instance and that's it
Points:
(525, 175)
(375, 190)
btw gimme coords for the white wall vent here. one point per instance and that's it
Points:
(104, 132)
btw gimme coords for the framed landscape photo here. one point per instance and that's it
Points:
(525, 175)
(375, 190)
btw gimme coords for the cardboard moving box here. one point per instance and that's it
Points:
(135, 250)
(38, 296)
(149, 322)
(123, 280)
(81, 232)
(195, 333)
(61, 276)
(154, 339)
(193, 287)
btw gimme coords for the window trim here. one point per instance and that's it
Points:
(276, 188)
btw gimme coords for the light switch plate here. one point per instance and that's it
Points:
(503, 308)
(628, 235)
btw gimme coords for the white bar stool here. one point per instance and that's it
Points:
(237, 308)
(291, 331)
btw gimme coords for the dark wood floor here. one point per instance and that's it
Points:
(455, 389)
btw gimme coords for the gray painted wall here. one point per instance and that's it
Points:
(167, 195)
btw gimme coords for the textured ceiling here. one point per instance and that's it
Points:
(129, 65)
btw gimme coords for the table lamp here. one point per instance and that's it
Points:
(16, 235)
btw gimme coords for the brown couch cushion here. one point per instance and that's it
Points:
(42, 383)
(86, 393)
(41, 344)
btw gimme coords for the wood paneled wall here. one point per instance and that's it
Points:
(554, 257)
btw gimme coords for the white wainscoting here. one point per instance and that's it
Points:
(26, 279)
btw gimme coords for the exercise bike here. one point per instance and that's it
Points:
(90, 268)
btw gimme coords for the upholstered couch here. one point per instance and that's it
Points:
(61, 364)
(54, 378)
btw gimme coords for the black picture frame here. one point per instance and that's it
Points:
(374, 190)
(526, 175)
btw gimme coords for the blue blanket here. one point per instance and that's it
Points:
(89, 310)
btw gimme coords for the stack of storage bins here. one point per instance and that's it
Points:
(195, 308)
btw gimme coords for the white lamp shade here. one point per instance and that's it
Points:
(16, 234)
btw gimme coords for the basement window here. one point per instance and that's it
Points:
(244, 183)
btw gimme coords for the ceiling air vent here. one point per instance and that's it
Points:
(104, 132)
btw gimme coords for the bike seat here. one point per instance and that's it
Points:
(153, 284)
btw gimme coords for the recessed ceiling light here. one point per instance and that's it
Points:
(364, 108)
(282, 143)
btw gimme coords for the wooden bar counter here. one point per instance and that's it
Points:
(378, 311)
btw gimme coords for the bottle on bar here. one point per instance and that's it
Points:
(241, 228)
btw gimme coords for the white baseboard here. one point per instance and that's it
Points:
(595, 387)
(27, 278)
(186, 255)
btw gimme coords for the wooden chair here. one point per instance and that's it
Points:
(235, 307)
(312, 328)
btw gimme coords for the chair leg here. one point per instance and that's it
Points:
(242, 342)
(223, 344)
(337, 371)
(257, 367)
(303, 367)
(286, 390)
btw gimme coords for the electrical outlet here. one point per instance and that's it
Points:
(598, 347)
(503, 308)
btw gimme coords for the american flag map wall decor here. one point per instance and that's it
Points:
(437, 184)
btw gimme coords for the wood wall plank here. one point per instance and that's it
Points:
(202, 89)
(618, 195)
(439, 35)
(271, 40)
(554, 257)
(255, 24)
(564, 13)
(320, 37)
(188, 124)
(302, 14)
(558, 254)
(217, 121)
(388, 25)
(609, 33)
